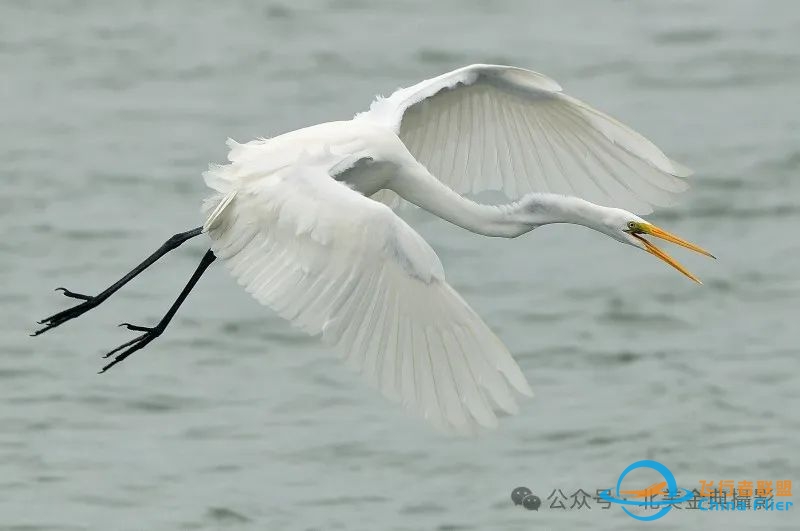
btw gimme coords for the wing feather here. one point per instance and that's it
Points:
(336, 263)
(490, 127)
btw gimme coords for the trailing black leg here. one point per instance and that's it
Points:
(150, 333)
(90, 302)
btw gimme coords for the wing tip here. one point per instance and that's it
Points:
(680, 170)
(526, 390)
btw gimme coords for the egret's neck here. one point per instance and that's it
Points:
(543, 209)
(508, 220)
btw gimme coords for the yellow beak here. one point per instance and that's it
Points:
(664, 235)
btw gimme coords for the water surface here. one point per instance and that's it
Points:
(111, 110)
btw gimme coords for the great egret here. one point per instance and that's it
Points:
(304, 222)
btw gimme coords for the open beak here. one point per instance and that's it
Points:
(652, 230)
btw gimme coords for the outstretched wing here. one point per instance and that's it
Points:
(337, 263)
(490, 127)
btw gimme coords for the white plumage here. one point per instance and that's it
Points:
(489, 127)
(294, 222)
(374, 289)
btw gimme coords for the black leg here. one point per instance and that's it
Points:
(151, 333)
(90, 302)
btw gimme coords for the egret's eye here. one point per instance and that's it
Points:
(631, 225)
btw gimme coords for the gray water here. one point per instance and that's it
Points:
(111, 110)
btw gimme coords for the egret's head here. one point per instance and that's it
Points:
(631, 229)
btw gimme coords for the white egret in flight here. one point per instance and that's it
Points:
(305, 222)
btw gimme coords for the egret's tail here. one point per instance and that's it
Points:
(214, 207)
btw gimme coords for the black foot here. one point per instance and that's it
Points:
(54, 320)
(74, 295)
(136, 328)
(150, 333)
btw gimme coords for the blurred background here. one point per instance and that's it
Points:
(110, 112)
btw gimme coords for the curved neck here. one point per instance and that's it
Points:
(508, 220)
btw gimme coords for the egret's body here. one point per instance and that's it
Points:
(304, 222)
